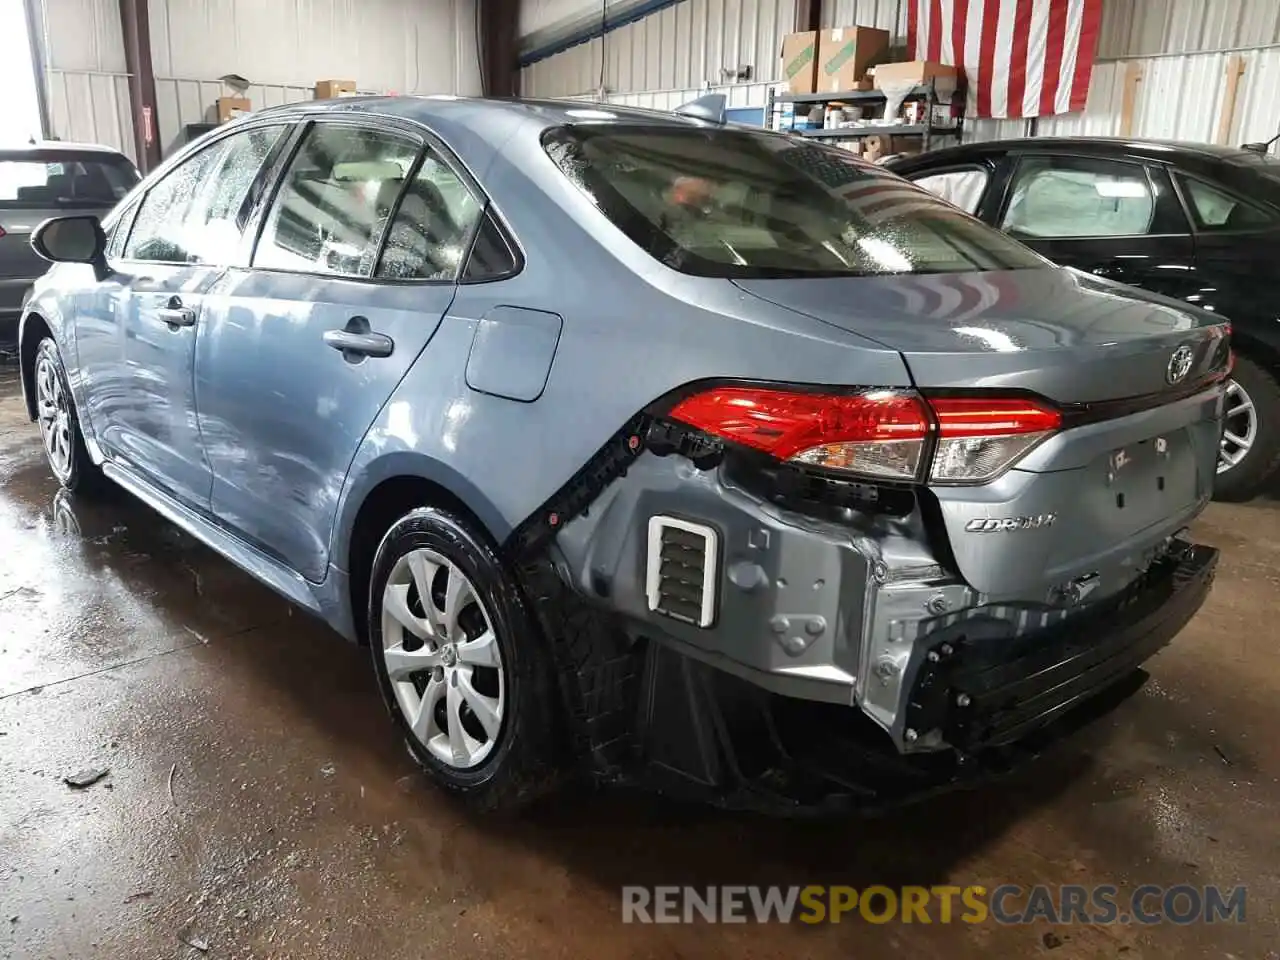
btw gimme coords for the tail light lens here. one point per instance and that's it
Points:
(877, 433)
(979, 439)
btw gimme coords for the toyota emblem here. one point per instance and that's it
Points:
(1179, 364)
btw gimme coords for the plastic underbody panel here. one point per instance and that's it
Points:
(846, 656)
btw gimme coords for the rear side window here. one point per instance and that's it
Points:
(1215, 210)
(432, 226)
(962, 188)
(735, 203)
(335, 201)
(1061, 197)
(65, 181)
(492, 256)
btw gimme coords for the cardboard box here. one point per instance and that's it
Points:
(800, 61)
(915, 72)
(228, 108)
(328, 89)
(845, 53)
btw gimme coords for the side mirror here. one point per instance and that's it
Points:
(73, 240)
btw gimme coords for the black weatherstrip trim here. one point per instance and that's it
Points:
(1079, 414)
(608, 464)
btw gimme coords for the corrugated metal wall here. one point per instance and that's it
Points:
(281, 46)
(1143, 28)
(683, 46)
(1181, 45)
(86, 82)
(888, 15)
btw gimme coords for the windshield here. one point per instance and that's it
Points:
(740, 204)
(80, 181)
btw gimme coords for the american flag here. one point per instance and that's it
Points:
(1021, 58)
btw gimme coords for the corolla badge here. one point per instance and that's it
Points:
(1179, 364)
(1010, 524)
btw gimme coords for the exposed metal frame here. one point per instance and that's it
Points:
(498, 43)
(135, 27)
(35, 40)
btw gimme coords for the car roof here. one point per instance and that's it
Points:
(498, 114)
(40, 147)
(1178, 152)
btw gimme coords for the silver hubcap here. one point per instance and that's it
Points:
(1240, 429)
(55, 416)
(443, 659)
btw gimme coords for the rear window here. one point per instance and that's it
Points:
(739, 204)
(64, 182)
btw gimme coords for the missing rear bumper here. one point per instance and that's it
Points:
(989, 705)
(973, 691)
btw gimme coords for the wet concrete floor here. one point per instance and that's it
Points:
(258, 804)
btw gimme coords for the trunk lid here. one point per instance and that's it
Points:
(1081, 515)
(1062, 334)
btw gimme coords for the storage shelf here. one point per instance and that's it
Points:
(891, 130)
(927, 131)
(921, 91)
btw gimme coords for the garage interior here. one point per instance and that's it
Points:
(243, 796)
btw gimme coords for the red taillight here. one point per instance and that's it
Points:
(878, 433)
(979, 437)
(2, 233)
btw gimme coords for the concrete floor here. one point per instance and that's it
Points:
(296, 826)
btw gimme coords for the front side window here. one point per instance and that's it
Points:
(739, 204)
(334, 203)
(435, 220)
(120, 231)
(195, 214)
(64, 181)
(1063, 197)
(157, 235)
(1215, 210)
(961, 188)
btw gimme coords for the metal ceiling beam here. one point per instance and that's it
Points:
(136, 28)
(499, 23)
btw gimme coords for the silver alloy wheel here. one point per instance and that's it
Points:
(443, 658)
(1240, 427)
(55, 416)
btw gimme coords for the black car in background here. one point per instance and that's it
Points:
(43, 180)
(1195, 222)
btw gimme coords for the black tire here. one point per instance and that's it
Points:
(79, 473)
(521, 765)
(1249, 477)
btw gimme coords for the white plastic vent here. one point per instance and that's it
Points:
(681, 575)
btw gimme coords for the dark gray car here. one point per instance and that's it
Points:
(640, 445)
(39, 181)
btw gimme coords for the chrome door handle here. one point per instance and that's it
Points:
(356, 341)
(359, 344)
(177, 316)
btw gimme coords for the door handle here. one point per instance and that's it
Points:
(356, 341)
(176, 315)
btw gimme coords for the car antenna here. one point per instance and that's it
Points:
(710, 107)
(1260, 147)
